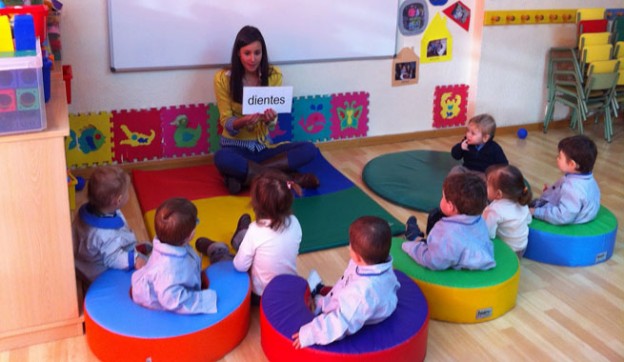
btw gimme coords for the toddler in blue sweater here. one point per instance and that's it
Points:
(460, 239)
(575, 197)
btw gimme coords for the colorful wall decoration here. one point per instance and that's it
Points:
(127, 136)
(136, 135)
(449, 105)
(413, 17)
(349, 115)
(436, 44)
(459, 13)
(90, 139)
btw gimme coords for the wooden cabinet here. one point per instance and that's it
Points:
(38, 300)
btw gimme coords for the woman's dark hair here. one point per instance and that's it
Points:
(247, 35)
(510, 181)
(272, 197)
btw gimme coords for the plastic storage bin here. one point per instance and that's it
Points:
(22, 107)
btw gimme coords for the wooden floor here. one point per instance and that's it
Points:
(574, 314)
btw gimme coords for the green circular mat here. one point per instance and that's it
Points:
(412, 179)
(506, 268)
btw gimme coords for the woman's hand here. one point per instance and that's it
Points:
(268, 115)
(249, 121)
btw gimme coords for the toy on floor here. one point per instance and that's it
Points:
(522, 133)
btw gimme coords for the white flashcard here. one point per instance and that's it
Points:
(258, 99)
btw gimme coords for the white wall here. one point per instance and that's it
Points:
(511, 75)
(513, 67)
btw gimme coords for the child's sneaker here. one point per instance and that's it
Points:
(202, 244)
(241, 230)
(412, 231)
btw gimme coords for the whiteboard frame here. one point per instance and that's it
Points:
(145, 35)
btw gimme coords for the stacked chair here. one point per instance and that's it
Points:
(584, 78)
(617, 29)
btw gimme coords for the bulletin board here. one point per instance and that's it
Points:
(161, 34)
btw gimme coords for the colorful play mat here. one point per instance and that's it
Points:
(412, 179)
(325, 213)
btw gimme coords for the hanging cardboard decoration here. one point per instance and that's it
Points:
(459, 13)
(405, 68)
(449, 105)
(437, 43)
(438, 2)
(413, 17)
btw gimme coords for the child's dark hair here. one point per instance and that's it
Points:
(247, 35)
(467, 191)
(105, 185)
(510, 181)
(370, 237)
(486, 124)
(272, 197)
(175, 220)
(580, 149)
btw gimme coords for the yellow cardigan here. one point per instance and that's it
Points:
(228, 108)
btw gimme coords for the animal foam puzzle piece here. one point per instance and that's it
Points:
(349, 115)
(185, 130)
(449, 105)
(283, 130)
(89, 142)
(137, 135)
(311, 118)
(215, 129)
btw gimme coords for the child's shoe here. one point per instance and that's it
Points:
(234, 186)
(412, 231)
(241, 230)
(202, 244)
(144, 248)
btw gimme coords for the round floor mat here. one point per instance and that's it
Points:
(412, 179)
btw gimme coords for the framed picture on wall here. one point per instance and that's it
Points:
(413, 17)
(405, 68)
(459, 13)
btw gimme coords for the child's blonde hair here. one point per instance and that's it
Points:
(509, 180)
(105, 185)
(486, 124)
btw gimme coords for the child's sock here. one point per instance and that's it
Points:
(218, 251)
(412, 231)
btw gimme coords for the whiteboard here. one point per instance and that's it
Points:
(161, 34)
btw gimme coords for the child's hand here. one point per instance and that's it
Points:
(139, 262)
(205, 282)
(464, 145)
(545, 187)
(532, 210)
(296, 342)
(310, 303)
